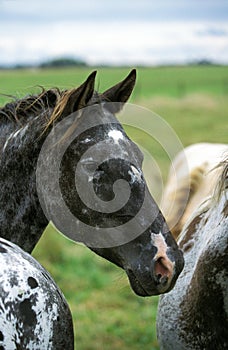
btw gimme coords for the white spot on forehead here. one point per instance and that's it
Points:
(116, 135)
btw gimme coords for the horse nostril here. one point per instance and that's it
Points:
(161, 279)
(162, 270)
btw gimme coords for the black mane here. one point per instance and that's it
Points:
(19, 110)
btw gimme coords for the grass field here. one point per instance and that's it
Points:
(161, 81)
(194, 101)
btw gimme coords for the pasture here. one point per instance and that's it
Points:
(194, 101)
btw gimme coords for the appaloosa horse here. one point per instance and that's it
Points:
(151, 260)
(33, 312)
(194, 315)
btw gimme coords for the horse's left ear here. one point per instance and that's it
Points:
(121, 91)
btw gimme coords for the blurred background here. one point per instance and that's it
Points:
(118, 32)
(180, 50)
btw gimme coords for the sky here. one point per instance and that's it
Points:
(131, 32)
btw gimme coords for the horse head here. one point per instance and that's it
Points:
(109, 207)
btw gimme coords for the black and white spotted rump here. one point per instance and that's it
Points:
(33, 312)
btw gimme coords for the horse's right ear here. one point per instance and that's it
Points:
(75, 99)
(81, 96)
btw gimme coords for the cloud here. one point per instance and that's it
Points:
(214, 31)
(132, 42)
(133, 32)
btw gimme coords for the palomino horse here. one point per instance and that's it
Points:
(191, 180)
(194, 315)
(151, 260)
(33, 312)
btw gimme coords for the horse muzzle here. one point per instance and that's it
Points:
(158, 278)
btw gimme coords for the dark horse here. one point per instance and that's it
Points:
(151, 260)
(194, 315)
(33, 312)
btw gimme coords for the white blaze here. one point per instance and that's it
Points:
(116, 135)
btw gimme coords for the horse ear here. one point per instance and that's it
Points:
(83, 93)
(79, 97)
(121, 91)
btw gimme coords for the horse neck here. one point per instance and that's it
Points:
(206, 231)
(22, 220)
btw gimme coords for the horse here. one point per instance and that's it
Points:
(192, 178)
(194, 315)
(33, 311)
(152, 259)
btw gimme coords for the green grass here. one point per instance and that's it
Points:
(106, 313)
(193, 100)
(162, 81)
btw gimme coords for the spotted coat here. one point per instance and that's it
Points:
(194, 315)
(33, 312)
